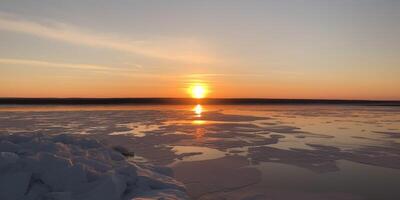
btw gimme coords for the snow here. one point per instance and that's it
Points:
(66, 167)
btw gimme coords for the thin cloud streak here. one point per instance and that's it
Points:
(101, 69)
(41, 63)
(169, 49)
(221, 75)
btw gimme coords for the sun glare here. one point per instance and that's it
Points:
(198, 91)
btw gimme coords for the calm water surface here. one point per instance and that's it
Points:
(243, 152)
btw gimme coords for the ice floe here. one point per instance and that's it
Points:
(66, 167)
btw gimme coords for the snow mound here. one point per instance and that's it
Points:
(66, 167)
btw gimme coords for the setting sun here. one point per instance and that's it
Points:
(198, 91)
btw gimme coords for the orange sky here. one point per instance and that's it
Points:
(243, 49)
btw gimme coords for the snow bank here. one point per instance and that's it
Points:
(66, 167)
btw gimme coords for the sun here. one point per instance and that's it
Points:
(198, 91)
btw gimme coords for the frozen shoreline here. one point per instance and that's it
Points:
(68, 167)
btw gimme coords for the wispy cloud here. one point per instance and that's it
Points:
(190, 51)
(222, 75)
(41, 63)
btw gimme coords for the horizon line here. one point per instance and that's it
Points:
(183, 101)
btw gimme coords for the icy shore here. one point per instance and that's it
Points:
(65, 167)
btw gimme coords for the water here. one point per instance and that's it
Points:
(244, 152)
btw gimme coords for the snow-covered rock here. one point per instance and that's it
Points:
(66, 167)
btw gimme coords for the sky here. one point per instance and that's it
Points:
(345, 49)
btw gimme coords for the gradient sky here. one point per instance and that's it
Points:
(344, 49)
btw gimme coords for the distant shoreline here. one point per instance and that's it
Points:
(188, 101)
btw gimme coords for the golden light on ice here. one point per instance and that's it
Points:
(198, 122)
(198, 91)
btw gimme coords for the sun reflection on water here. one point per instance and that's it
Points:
(200, 131)
(198, 109)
